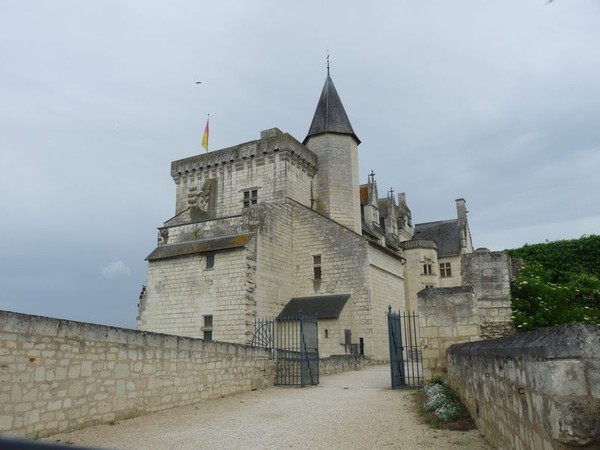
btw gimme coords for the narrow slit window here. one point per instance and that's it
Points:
(210, 261)
(317, 267)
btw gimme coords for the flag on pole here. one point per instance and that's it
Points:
(205, 136)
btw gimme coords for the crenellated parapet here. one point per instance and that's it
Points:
(273, 142)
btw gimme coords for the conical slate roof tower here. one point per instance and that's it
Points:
(330, 115)
(332, 138)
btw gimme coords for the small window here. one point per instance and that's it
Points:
(427, 269)
(250, 197)
(210, 261)
(429, 286)
(445, 270)
(326, 333)
(317, 267)
(207, 327)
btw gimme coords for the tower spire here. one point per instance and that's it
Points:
(330, 115)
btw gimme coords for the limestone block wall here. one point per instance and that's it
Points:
(456, 278)
(341, 363)
(268, 165)
(181, 290)
(274, 287)
(536, 390)
(226, 226)
(58, 375)
(446, 316)
(344, 266)
(387, 288)
(417, 253)
(336, 189)
(489, 273)
(331, 334)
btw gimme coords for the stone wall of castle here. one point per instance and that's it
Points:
(275, 166)
(387, 288)
(274, 271)
(536, 390)
(182, 290)
(58, 375)
(490, 274)
(446, 316)
(417, 254)
(344, 267)
(337, 181)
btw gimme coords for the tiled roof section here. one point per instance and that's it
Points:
(445, 234)
(321, 306)
(330, 115)
(202, 246)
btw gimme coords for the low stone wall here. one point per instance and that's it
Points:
(58, 375)
(537, 390)
(341, 363)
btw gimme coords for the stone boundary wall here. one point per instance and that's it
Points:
(341, 363)
(59, 375)
(536, 390)
(490, 274)
(446, 316)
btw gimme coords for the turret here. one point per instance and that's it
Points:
(333, 140)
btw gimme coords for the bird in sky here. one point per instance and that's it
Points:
(198, 82)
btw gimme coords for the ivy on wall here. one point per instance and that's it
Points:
(559, 283)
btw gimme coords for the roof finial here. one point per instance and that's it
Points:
(327, 62)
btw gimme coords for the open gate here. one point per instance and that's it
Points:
(295, 345)
(406, 360)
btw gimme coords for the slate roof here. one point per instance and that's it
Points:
(445, 234)
(201, 246)
(330, 115)
(321, 306)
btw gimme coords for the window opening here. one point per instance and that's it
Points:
(250, 197)
(445, 270)
(317, 267)
(210, 261)
(207, 329)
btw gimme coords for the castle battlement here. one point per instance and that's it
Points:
(272, 142)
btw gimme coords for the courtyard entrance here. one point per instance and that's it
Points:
(294, 342)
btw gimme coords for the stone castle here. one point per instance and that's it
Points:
(277, 226)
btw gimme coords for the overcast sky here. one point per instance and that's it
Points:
(497, 102)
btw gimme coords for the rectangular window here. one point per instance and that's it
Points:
(317, 267)
(250, 197)
(210, 261)
(445, 270)
(207, 327)
(427, 269)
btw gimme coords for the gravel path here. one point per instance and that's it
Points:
(352, 410)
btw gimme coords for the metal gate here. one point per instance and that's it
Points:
(406, 360)
(295, 344)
